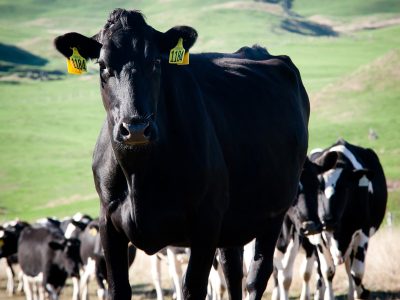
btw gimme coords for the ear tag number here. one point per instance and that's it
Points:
(76, 63)
(178, 55)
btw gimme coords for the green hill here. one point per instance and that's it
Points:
(48, 128)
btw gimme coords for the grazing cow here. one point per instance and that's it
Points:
(202, 155)
(48, 258)
(9, 235)
(353, 207)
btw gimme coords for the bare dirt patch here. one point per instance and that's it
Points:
(69, 200)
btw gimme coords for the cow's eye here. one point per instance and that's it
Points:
(104, 71)
(157, 64)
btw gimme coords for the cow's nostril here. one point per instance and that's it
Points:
(124, 129)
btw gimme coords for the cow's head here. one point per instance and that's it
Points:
(68, 254)
(336, 186)
(9, 234)
(306, 205)
(131, 55)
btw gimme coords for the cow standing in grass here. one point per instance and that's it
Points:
(202, 155)
(353, 207)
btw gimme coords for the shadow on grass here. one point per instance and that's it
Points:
(305, 27)
(15, 55)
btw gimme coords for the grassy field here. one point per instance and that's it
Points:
(48, 128)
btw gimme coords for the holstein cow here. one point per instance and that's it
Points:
(94, 265)
(301, 221)
(353, 207)
(9, 235)
(48, 258)
(206, 154)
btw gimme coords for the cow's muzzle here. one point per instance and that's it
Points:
(311, 227)
(135, 132)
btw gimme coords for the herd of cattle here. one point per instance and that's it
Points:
(208, 155)
(340, 203)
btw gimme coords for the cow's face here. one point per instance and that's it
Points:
(306, 207)
(68, 253)
(337, 185)
(131, 56)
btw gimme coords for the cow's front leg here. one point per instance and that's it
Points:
(115, 246)
(232, 265)
(262, 262)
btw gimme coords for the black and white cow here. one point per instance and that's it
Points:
(47, 258)
(9, 235)
(301, 221)
(202, 155)
(353, 207)
(94, 264)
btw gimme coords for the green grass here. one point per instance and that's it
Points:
(48, 129)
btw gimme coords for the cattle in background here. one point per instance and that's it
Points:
(353, 207)
(46, 257)
(202, 155)
(301, 221)
(94, 265)
(9, 235)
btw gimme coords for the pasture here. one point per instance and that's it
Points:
(347, 52)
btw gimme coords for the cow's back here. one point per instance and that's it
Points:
(34, 249)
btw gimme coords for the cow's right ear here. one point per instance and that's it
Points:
(326, 161)
(87, 47)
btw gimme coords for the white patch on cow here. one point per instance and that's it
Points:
(331, 177)
(333, 247)
(314, 239)
(2, 234)
(316, 150)
(101, 294)
(10, 281)
(346, 152)
(77, 217)
(70, 229)
(364, 181)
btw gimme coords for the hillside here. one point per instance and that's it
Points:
(48, 126)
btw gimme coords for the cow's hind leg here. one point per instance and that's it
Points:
(231, 260)
(355, 267)
(262, 262)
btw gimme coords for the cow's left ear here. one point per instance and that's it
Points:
(357, 174)
(169, 39)
(87, 47)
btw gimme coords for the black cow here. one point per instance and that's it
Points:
(48, 258)
(353, 207)
(203, 155)
(9, 235)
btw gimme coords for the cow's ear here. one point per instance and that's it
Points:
(170, 38)
(87, 47)
(57, 245)
(326, 162)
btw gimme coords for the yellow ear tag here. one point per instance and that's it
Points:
(93, 232)
(76, 63)
(177, 55)
(1, 243)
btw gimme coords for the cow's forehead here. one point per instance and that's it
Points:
(331, 177)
